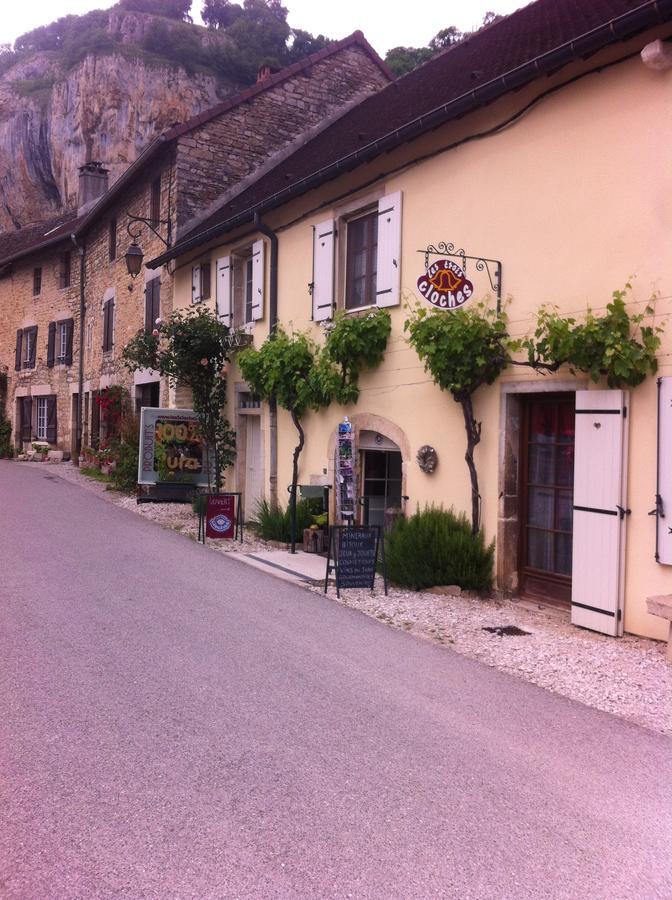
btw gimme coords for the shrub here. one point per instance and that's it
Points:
(275, 524)
(6, 449)
(124, 476)
(435, 547)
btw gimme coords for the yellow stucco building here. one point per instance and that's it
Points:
(541, 145)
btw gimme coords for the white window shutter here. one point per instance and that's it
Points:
(223, 289)
(388, 271)
(195, 284)
(323, 270)
(664, 496)
(257, 280)
(600, 516)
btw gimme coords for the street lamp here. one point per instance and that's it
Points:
(134, 257)
(134, 254)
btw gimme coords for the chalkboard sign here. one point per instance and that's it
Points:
(354, 551)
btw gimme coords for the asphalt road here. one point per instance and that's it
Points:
(176, 724)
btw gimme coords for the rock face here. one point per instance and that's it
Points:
(112, 103)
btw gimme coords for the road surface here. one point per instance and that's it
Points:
(176, 724)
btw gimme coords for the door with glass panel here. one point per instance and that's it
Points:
(547, 477)
(381, 484)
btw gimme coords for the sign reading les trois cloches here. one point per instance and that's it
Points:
(445, 285)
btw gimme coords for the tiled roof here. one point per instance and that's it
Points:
(302, 65)
(533, 41)
(15, 244)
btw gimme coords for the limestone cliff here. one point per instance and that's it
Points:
(116, 102)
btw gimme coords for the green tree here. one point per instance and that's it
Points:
(462, 349)
(191, 349)
(220, 13)
(292, 371)
(404, 59)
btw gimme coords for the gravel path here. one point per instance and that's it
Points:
(628, 677)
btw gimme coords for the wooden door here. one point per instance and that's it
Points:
(253, 490)
(599, 510)
(547, 476)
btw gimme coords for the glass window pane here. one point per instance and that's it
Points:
(564, 511)
(374, 464)
(566, 422)
(394, 465)
(541, 464)
(542, 422)
(563, 554)
(565, 465)
(540, 550)
(540, 507)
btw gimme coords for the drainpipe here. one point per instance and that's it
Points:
(81, 249)
(272, 322)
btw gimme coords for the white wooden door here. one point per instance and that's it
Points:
(254, 467)
(598, 545)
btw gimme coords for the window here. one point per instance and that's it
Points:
(368, 271)
(59, 343)
(62, 339)
(37, 281)
(113, 239)
(361, 253)
(200, 282)
(108, 325)
(152, 303)
(41, 429)
(240, 286)
(45, 419)
(64, 270)
(26, 345)
(155, 201)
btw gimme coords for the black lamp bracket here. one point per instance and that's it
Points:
(150, 223)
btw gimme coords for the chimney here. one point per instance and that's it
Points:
(264, 72)
(92, 185)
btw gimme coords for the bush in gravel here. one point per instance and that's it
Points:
(437, 547)
(275, 524)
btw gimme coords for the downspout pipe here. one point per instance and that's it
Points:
(81, 249)
(272, 324)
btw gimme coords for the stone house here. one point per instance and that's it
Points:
(503, 166)
(67, 302)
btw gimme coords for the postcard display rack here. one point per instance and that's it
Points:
(345, 472)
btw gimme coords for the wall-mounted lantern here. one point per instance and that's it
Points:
(134, 254)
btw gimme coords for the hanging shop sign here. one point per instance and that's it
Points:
(445, 285)
(171, 448)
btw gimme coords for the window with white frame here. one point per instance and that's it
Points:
(41, 422)
(62, 342)
(370, 259)
(29, 335)
(200, 281)
(240, 286)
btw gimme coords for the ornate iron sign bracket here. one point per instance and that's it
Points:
(493, 267)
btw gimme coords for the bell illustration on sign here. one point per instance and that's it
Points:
(445, 285)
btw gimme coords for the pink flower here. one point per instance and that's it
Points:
(204, 361)
(158, 322)
(155, 333)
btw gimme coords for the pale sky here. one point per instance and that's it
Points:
(386, 24)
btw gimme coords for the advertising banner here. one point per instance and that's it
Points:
(220, 516)
(171, 448)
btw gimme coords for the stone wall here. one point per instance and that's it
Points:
(20, 309)
(214, 156)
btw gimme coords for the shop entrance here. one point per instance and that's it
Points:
(547, 480)
(380, 462)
